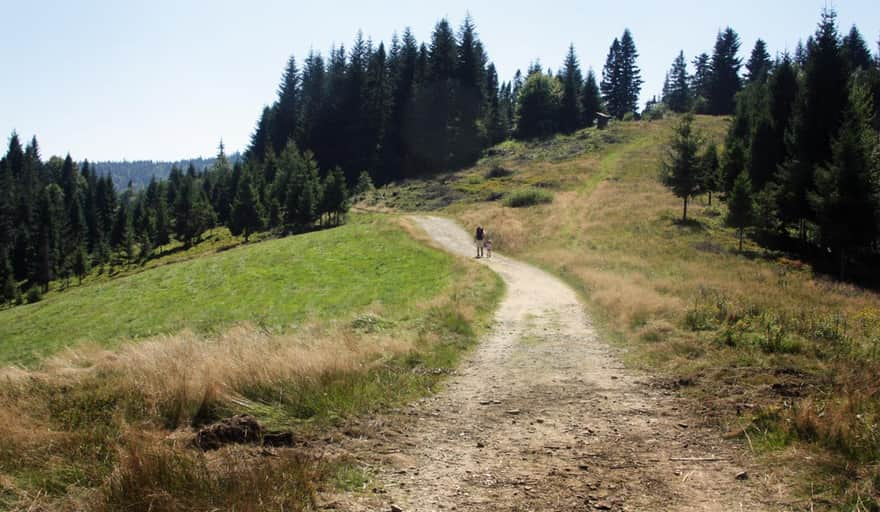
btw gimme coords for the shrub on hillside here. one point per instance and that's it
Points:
(34, 295)
(497, 172)
(527, 197)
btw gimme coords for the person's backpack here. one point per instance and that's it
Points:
(479, 233)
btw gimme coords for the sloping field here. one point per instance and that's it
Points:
(274, 285)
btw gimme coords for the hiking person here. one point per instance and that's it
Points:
(488, 247)
(478, 238)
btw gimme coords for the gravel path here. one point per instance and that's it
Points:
(543, 416)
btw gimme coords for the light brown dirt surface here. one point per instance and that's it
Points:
(543, 416)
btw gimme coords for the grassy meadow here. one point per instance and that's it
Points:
(780, 357)
(302, 332)
(275, 285)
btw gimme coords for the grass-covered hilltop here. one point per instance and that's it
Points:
(726, 238)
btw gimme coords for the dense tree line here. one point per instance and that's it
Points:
(58, 219)
(801, 160)
(415, 108)
(140, 172)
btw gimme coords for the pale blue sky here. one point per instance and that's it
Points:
(164, 79)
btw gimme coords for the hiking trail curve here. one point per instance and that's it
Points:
(543, 416)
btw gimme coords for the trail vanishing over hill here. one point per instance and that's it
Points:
(543, 417)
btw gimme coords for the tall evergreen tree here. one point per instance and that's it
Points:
(700, 82)
(855, 50)
(759, 64)
(847, 197)
(285, 121)
(435, 100)
(570, 113)
(468, 95)
(494, 118)
(680, 171)
(621, 77)
(724, 80)
(677, 95)
(591, 99)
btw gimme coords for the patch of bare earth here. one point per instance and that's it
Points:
(543, 416)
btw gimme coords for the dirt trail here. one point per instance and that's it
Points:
(543, 416)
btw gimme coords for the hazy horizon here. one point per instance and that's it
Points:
(162, 82)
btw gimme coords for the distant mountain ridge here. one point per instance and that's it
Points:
(140, 172)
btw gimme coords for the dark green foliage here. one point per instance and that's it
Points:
(724, 79)
(680, 170)
(621, 77)
(804, 133)
(847, 196)
(469, 96)
(591, 99)
(335, 196)
(741, 206)
(193, 214)
(538, 106)
(700, 82)
(285, 118)
(81, 263)
(855, 50)
(570, 113)
(248, 214)
(676, 92)
(364, 184)
(710, 171)
(303, 188)
(758, 65)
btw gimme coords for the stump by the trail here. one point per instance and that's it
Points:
(240, 429)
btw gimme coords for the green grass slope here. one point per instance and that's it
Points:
(274, 284)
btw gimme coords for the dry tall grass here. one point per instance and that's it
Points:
(746, 328)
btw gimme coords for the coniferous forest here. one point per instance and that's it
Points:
(801, 160)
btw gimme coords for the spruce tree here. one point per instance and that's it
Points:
(468, 96)
(285, 121)
(758, 65)
(710, 171)
(621, 77)
(724, 81)
(611, 80)
(377, 109)
(248, 215)
(741, 206)
(335, 196)
(783, 93)
(494, 119)
(816, 118)
(677, 93)
(847, 189)
(680, 170)
(700, 83)
(436, 98)
(855, 51)
(304, 194)
(591, 99)
(570, 113)
(81, 263)
(631, 77)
